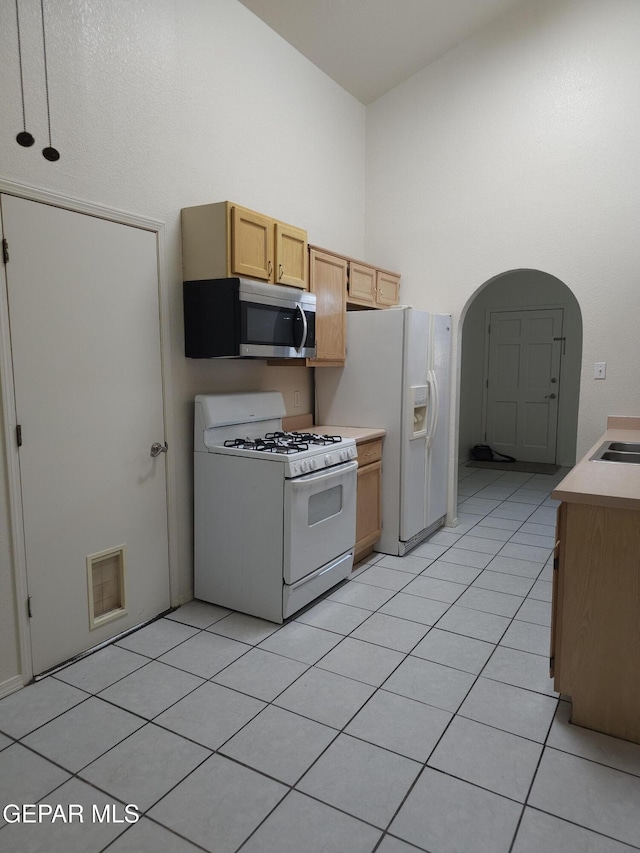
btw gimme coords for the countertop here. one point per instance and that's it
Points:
(614, 484)
(359, 433)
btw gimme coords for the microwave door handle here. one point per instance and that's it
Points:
(303, 339)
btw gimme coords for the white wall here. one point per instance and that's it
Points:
(161, 104)
(519, 149)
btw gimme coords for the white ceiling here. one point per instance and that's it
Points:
(370, 46)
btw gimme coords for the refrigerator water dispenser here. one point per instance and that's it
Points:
(419, 403)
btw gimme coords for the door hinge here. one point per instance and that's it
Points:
(30, 614)
(19, 435)
(556, 563)
(489, 329)
(5, 250)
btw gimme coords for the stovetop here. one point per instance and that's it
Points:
(284, 442)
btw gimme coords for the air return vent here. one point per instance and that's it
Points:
(106, 574)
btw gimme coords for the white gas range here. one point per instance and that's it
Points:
(274, 512)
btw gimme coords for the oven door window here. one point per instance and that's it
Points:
(269, 325)
(324, 505)
(319, 519)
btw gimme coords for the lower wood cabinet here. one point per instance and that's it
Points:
(369, 497)
(595, 632)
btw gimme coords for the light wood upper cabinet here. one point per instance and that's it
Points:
(387, 288)
(290, 255)
(372, 288)
(328, 280)
(225, 239)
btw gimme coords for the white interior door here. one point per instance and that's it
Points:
(523, 383)
(85, 342)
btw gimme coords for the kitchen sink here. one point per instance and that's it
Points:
(617, 451)
(625, 446)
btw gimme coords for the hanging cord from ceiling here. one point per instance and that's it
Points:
(24, 138)
(49, 153)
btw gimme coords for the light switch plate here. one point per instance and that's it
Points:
(600, 370)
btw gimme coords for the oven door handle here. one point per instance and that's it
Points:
(325, 474)
(305, 328)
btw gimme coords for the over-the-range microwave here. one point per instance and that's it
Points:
(241, 318)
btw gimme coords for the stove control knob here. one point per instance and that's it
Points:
(327, 460)
(313, 464)
(304, 466)
(343, 455)
(352, 452)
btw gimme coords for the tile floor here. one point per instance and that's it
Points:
(411, 709)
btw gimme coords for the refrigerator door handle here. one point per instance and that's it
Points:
(433, 420)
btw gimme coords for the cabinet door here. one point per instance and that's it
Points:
(387, 288)
(368, 507)
(291, 255)
(328, 280)
(556, 609)
(251, 249)
(362, 284)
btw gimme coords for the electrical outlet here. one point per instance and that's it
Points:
(600, 370)
(296, 399)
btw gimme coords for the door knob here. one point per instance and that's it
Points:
(554, 379)
(550, 396)
(157, 448)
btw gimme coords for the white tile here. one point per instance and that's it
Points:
(527, 637)
(145, 766)
(261, 674)
(428, 550)
(4, 742)
(541, 591)
(157, 638)
(482, 544)
(498, 603)
(437, 685)
(500, 523)
(303, 643)
(386, 578)
(521, 669)
(501, 582)
(546, 530)
(148, 837)
(451, 572)
(454, 650)
(512, 709)
(525, 552)
(325, 697)
(361, 595)
(237, 801)
(485, 756)
(205, 654)
(83, 733)
(435, 588)
(511, 566)
(51, 836)
(540, 832)
(537, 612)
(479, 506)
(443, 538)
(480, 531)
(361, 661)
(33, 706)
(198, 613)
(588, 794)
(300, 824)
(280, 744)
(102, 668)
(446, 815)
(521, 537)
(544, 515)
(150, 690)
(210, 715)
(402, 725)
(412, 563)
(394, 845)
(25, 778)
(333, 616)
(362, 779)
(245, 629)
(390, 632)
(612, 751)
(513, 511)
(474, 623)
(426, 611)
(466, 558)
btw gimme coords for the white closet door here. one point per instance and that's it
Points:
(85, 341)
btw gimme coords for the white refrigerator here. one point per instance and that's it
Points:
(397, 376)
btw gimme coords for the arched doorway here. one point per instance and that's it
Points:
(536, 340)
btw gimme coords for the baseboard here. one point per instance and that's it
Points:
(11, 685)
